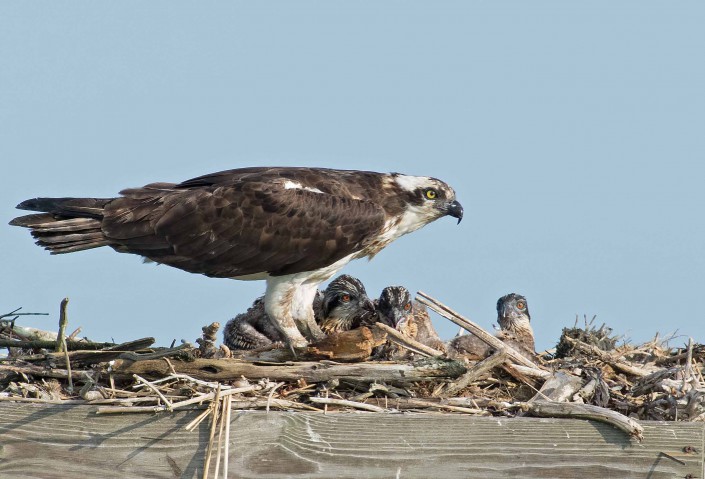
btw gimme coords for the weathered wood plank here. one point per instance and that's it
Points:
(40, 441)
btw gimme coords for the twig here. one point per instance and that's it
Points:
(688, 362)
(408, 343)
(68, 365)
(70, 345)
(132, 356)
(63, 321)
(214, 421)
(167, 403)
(428, 404)
(42, 401)
(33, 370)
(607, 358)
(181, 404)
(185, 377)
(199, 419)
(476, 371)
(15, 313)
(226, 453)
(73, 335)
(346, 403)
(271, 394)
(220, 447)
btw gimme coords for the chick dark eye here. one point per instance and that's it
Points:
(407, 307)
(521, 305)
(345, 298)
(431, 194)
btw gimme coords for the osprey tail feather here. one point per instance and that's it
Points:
(65, 224)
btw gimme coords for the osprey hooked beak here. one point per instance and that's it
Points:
(455, 210)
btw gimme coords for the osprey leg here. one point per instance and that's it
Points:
(278, 299)
(302, 311)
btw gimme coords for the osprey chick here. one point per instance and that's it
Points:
(293, 227)
(515, 330)
(343, 305)
(395, 309)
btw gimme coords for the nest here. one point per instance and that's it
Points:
(588, 375)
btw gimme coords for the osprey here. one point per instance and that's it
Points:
(515, 330)
(293, 227)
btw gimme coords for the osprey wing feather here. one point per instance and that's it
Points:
(295, 227)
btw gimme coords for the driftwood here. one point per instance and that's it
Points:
(560, 387)
(91, 357)
(40, 344)
(408, 343)
(354, 345)
(618, 364)
(474, 373)
(586, 411)
(229, 369)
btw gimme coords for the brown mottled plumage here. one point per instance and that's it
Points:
(343, 305)
(294, 227)
(395, 309)
(515, 323)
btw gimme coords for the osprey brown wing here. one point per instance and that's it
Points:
(240, 229)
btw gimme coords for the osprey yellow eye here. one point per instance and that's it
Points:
(407, 307)
(521, 305)
(431, 194)
(345, 298)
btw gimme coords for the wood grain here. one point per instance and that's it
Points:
(50, 441)
(311, 371)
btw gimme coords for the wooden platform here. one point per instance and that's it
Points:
(48, 441)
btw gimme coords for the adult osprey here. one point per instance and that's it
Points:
(293, 227)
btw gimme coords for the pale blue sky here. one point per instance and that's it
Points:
(573, 133)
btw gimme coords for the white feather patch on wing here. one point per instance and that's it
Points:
(292, 185)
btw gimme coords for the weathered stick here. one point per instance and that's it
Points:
(618, 364)
(408, 343)
(560, 387)
(63, 321)
(586, 411)
(254, 403)
(32, 370)
(477, 370)
(346, 403)
(229, 369)
(71, 345)
(162, 353)
(475, 329)
(353, 345)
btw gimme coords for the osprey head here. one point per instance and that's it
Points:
(345, 301)
(394, 307)
(511, 311)
(429, 198)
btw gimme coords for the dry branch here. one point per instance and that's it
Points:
(618, 364)
(229, 369)
(474, 373)
(585, 411)
(408, 343)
